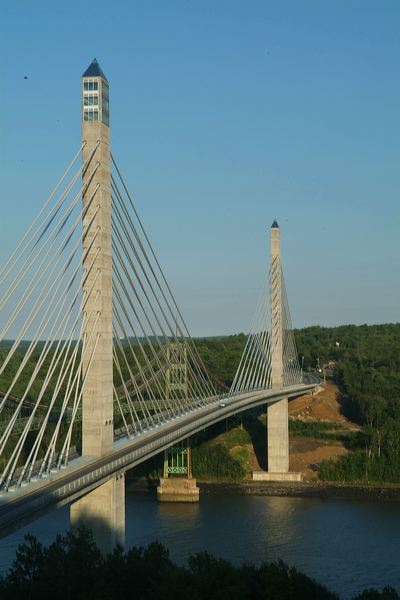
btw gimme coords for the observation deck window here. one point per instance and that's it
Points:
(105, 104)
(90, 114)
(90, 100)
(90, 85)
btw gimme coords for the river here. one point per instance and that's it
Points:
(346, 545)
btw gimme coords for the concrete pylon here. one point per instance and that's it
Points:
(277, 412)
(106, 503)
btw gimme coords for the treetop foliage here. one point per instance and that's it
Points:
(72, 568)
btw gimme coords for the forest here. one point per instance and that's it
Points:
(366, 370)
(368, 376)
(55, 571)
(367, 373)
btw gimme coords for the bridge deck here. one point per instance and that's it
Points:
(24, 504)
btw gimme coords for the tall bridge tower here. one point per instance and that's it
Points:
(277, 412)
(102, 509)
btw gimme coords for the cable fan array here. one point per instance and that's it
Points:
(254, 371)
(42, 341)
(47, 325)
(158, 372)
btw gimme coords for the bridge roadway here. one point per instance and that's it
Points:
(22, 505)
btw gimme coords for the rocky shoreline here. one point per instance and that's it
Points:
(301, 490)
(305, 490)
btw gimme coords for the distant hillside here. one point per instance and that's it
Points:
(367, 372)
(366, 362)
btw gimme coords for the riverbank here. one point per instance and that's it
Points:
(299, 490)
(306, 490)
(320, 434)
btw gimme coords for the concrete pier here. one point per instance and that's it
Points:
(178, 483)
(103, 511)
(271, 476)
(278, 437)
(178, 489)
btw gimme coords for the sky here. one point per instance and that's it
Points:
(225, 115)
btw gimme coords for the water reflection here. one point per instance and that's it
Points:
(348, 545)
(278, 518)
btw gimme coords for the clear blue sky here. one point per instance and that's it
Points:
(225, 115)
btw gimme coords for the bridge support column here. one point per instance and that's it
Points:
(177, 485)
(174, 486)
(278, 437)
(103, 511)
(277, 412)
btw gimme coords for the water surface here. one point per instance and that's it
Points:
(346, 545)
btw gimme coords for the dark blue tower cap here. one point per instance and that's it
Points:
(275, 225)
(94, 70)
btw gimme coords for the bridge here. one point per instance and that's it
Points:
(98, 371)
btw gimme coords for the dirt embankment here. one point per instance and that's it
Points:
(324, 407)
(307, 452)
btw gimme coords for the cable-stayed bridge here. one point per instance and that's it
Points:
(98, 371)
